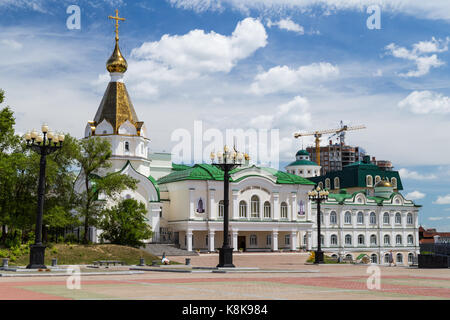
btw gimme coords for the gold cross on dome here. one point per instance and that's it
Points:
(117, 23)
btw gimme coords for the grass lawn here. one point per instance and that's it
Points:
(87, 254)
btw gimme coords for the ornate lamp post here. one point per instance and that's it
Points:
(319, 196)
(43, 144)
(227, 161)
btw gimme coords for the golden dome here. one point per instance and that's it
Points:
(383, 183)
(117, 63)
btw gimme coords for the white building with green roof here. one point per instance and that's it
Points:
(303, 166)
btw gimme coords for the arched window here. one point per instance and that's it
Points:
(127, 146)
(333, 240)
(377, 179)
(267, 210)
(360, 240)
(373, 240)
(360, 219)
(374, 258)
(398, 218)
(322, 240)
(399, 258)
(387, 240)
(386, 258)
(327, 183)
(348, 217)
(349, 257)
(253, 240)
(200, 208)
(394, 182)
(255, 207)
(409, 218)
(242, 209)
(221, 208)
(348, 240)
(320, 185)
(386, 218)
(398, 239)
(333, 217)
(410, 258)
(336, 183)
(369, 181)
(284, 210)
(373, 218)
(410, 239)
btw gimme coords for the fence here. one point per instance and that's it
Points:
(163, 238)
(435, 248)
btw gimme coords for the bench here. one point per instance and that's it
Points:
(108, 262)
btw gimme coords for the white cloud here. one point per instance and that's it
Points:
(287, 24)
(423, 62)
(13, 44)
(443, 199)
(425, 102)
(415, 195)
(283, 78)
(201, 52)
(407, 174)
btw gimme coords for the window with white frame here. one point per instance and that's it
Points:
(327, 183)
(360, 240)
(360, 218)
(399, 258)
(269, 240)
(284, 210)
(242, 209)
(255, 207)
(410, 239)
(369, 181)
(377, 179)
(373, 218)
(374, 258)
(287, 239)
(398, 239)
(373, 239)
(221, 208)
(409, 218)
(127, 146)
(410, 258)
(322, 240)
(386, 258)
(253, 240)
(398, 218)
(394, 182)
(348, 239)
(333, 217)
(267, 214)
(387, 240)
(386, 218)
(348, 217)
(334, 240)
(320, 185)
(336, 183)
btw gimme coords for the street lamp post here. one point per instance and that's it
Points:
(44, 145)
(318, 196)
(227, 161)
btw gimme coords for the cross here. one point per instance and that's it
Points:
(117, 23)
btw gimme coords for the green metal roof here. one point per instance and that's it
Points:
(179, 167)
(302, 153)
(302, 163)
(210, 172)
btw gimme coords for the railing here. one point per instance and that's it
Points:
(435, 248)
(163, 238)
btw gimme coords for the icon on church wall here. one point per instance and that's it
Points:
(200, 206)
(301, 208)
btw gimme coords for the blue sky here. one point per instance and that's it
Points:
(289, 65)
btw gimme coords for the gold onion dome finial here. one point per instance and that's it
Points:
(383, 183)
(117, 63)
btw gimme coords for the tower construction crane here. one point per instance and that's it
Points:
(318, 134)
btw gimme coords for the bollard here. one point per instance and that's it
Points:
(5, 263)
(54, 262)
(142, 262)
(188, 261)
(154, 263)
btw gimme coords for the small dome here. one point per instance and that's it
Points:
(302, 153)
(383, 183)
(117, 63)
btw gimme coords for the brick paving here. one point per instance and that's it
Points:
(346, 282)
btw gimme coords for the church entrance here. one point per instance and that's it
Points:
(241, 242)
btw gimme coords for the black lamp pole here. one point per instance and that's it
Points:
(43, 145)
(318, 196)
(227, 162)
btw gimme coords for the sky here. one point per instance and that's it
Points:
(286, 65)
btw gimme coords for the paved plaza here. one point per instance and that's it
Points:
(330, 282)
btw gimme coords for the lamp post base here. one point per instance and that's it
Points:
(318, 257)
(37, 256)
(225, 258)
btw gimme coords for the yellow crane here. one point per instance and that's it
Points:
(318, 134)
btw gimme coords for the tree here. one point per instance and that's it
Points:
(93, 158)
(125, 224)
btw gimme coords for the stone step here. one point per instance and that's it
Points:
(168, 249)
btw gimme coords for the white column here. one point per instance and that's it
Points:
(294, 206)
(309, 240)
(212, 204)
(293, 240)
(274, 240)
(276, 206)
(235, 240)
(191, 203)
(211, 240)
(189, 240)
(235, 204)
